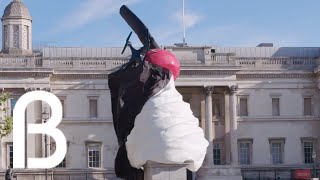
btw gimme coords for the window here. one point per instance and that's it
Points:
(10, 155)
(94, 155)
(25, 37)
(15, 39)
(277, 150)
(275, 107)
(217, 106)
(243, 107)
(217, 154)
(6, 36)
(63, 108)
(308, 149)
(245, 151)
(93, 106)
(276, 153)
(63, 163)
(63, 104)
(12, 104)
(307, 106)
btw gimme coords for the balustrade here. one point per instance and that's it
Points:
(20, 62)
(85, 64)
(107, 63)
(274, 63)
(221, 58)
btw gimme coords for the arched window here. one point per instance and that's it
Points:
(15, 36)
(25, 37)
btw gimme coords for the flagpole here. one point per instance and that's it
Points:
(184, 27)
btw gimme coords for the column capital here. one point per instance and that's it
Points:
(208, 90)
(233, 89)
(37, 89)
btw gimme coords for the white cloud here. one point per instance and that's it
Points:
(172, 32)
(190, 18)
(90, 10)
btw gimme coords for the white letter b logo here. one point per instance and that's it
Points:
(48, 128)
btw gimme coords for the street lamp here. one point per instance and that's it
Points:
(45, 117)
(314, 156)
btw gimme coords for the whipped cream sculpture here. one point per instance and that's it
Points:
(166, 131)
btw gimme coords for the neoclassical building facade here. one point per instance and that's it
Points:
(258, 106)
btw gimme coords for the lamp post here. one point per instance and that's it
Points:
(314, 156)
(45, 117)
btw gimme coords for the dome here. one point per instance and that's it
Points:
(16, 9)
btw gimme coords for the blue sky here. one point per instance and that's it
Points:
(97, 23)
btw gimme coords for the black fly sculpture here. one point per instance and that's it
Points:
(130, 87)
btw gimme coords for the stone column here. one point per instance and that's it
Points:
(208, 125)
(227, 141)
(35, 147)
(38, 120)
(233, 125)
(33, 115)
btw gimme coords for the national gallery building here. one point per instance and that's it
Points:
(258, 106)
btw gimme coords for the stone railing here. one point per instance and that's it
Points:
(270, 63)
(62, 174)
(217, 59)
(83, 64)
(20, 62)
(276, 63)
(222, 58)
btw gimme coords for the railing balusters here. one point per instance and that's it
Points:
(246, 63)
(276, 63)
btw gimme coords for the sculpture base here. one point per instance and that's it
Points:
(158, 171)
(220, 172)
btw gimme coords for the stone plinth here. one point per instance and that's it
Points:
(219, 172)
(157, 171)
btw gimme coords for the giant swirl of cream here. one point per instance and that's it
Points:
(166, 131)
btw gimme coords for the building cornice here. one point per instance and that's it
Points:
(32, 72)
(85, 58)
(208, 72)
(278, 118)
(79, 76)
(86, 121)
(275, 75)
(185, 71)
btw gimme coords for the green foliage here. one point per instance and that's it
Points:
(6, 124)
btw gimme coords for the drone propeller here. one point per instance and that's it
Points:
(127, 42)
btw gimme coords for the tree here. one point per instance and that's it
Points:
(6, 124)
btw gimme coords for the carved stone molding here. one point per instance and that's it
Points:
(208, 72)
(208, 90)
(13, 91)
(79, 76)
(25, 74)
(233, 89)
(37, 89)
(249, 76)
